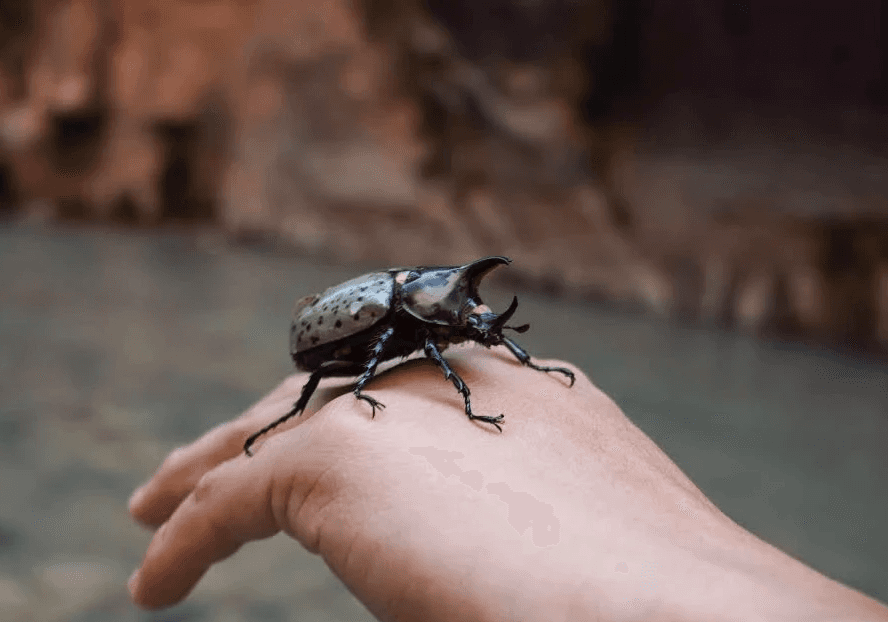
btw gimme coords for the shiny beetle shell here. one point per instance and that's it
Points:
(341, 310)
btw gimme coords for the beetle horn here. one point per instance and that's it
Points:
(476, 270)
(500, 322)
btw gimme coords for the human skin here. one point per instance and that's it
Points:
(570, 513)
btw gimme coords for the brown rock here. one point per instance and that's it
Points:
(387, 132)
(881, 296)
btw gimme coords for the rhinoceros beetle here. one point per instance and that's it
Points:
(351, 328)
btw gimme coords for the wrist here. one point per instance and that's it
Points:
(730, 578)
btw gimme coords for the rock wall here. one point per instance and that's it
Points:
(428, 132)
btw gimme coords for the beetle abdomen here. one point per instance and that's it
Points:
(341, 311)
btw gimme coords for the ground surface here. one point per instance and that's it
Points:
(117, 346)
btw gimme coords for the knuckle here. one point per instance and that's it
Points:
(343, 417)
(204, 487)
(240, 431)
(176, 459)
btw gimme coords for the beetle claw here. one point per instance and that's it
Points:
(566, 372)
(560, 370)
(494, 421)
(374, 403)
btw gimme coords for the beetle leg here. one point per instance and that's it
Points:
(432, 352)
(297, 409)
(522, 355)
(370, 370)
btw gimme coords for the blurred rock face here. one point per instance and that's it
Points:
(579, 137)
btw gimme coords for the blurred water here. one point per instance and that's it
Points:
(116, 346)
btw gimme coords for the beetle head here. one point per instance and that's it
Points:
(448, 295)
(489, 325)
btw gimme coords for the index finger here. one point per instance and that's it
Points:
(205, 529)
(155, 501)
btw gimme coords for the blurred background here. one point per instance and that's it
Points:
(693, 193)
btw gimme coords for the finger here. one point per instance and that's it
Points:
(157, 499)
(231, 505)
(154, 502)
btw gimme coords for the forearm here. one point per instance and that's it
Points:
(774, 586)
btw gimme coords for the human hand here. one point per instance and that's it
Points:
(570, 513)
